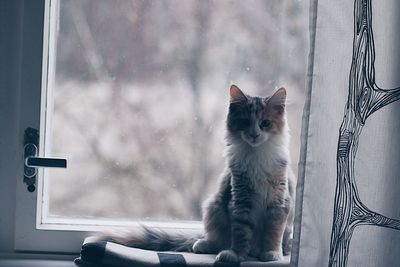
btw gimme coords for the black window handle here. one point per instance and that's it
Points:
(38, 162)
(32, 161)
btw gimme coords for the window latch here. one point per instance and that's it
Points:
(31, 160)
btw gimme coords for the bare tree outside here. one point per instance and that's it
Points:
(141, 94)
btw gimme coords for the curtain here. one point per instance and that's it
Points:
(348, 193)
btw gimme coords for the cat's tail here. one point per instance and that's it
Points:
(151, 239)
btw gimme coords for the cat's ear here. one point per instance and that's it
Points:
(236, 95)
(277, 100)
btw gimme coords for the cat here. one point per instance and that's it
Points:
(251, 214)
(252, 211)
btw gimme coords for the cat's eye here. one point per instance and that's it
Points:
(265, 124)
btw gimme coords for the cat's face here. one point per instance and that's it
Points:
(255, 119)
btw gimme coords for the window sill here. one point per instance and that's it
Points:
(36, 260)
(36, 263)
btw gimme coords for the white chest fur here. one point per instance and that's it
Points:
(261, 164)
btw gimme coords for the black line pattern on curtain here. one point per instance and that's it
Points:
(365, 97)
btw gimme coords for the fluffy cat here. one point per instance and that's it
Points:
(251, 214)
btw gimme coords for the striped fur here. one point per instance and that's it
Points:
(150, 239)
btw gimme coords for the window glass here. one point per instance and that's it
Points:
(140, 97)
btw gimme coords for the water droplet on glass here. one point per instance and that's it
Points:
(247, 68)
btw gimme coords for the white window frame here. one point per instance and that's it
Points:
(34, 55)
(32, 233)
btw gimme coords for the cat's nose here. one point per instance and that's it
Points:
(254, 136)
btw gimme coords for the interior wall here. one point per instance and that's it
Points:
(10, 142)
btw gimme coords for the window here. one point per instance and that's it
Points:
(134, 95)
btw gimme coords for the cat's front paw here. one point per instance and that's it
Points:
(200, 246)
(271, 256)
(229, 256)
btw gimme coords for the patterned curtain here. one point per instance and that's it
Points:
(348, 195)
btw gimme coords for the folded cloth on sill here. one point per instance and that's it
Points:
(108, 254)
